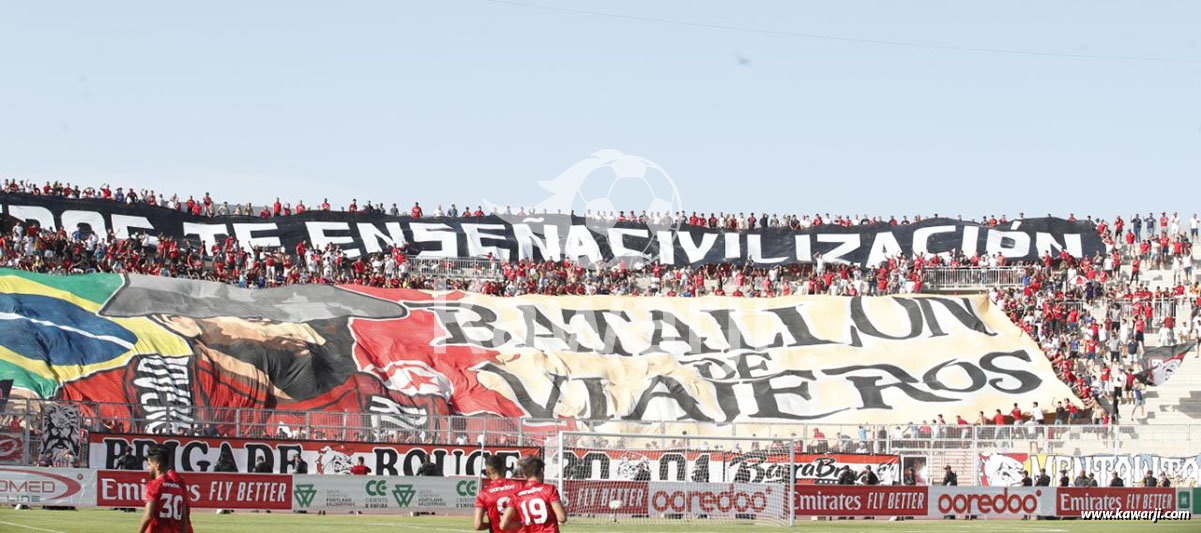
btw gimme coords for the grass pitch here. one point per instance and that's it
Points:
(109, 521)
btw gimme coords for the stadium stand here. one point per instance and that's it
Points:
(1099, 321)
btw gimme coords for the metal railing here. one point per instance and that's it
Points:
(972, 278)
(1160, 308)
(956, 445)
(454, 267)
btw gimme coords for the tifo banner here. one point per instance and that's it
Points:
(119, 488)
(1074, 501)
(991, 502)
(196, 454)
(1005, 469)
(47, 486)
(167, 346)
(717, 466)
(555, 236)
(383, 494)
(847, 500)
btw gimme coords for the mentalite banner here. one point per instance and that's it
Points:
(196, 454)
(170, 348)
(1005, 469)
(560, 236)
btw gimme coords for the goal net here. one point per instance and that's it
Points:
(629, 478)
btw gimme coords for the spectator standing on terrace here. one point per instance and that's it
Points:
(299, 466)
(846, 476)
(1164, 482)
(1149, 480)
(127, 461)
(1116, 481)
(1082, 479)
(949, 478)
(1140, 403)
(360, 469)
(818, 444)
(428, 468)
(1043, 479)
(868, 477)
(225, 463)
(262, 466)
(1063, 478)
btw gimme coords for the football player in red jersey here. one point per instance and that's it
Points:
(496, 497)
(167, 508)
(536, 506)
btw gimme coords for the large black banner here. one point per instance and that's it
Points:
(588, 241)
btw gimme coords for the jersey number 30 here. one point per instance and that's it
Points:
(170, 507)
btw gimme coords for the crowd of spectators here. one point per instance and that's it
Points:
(1140, 228)
(1091, 315)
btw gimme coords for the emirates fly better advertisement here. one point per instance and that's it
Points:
(75, 487)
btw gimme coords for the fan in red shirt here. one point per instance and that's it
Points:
(536, 507)
(998, 419)
(494, 498)
(360, 469)
(167, 506)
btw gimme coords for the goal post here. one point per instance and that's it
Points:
(665, 479)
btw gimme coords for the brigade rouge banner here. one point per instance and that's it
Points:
(169, 348)
(195, 454)
(553, 236)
